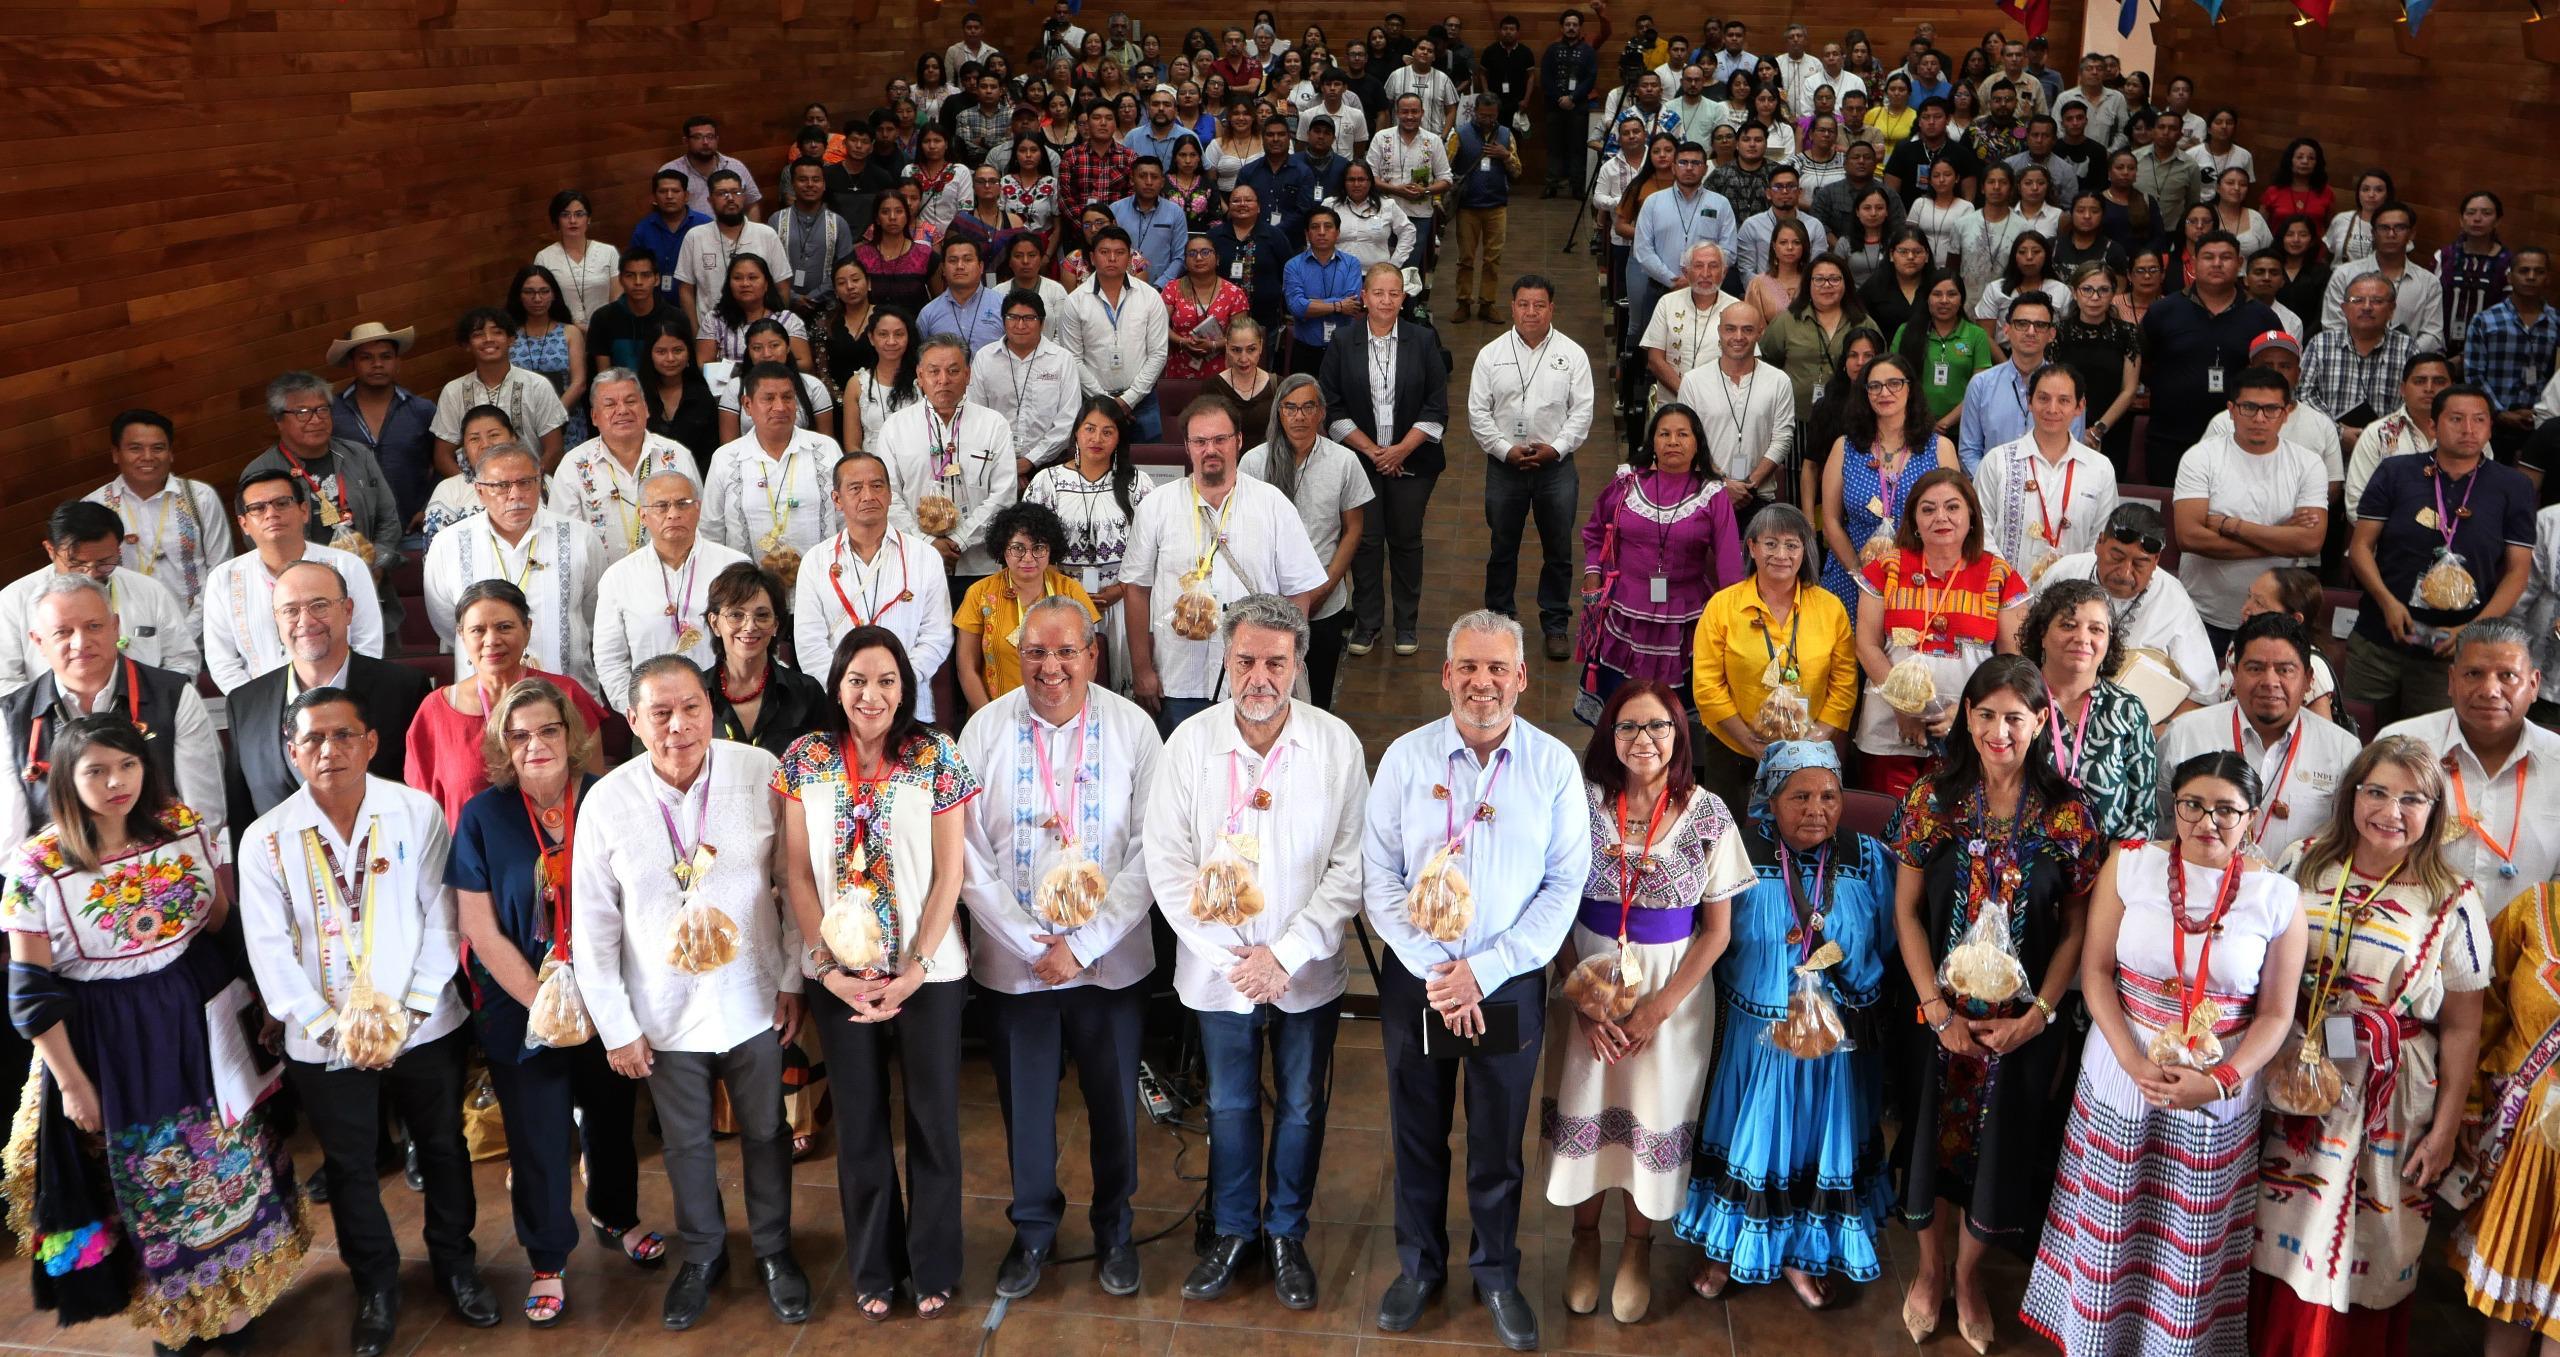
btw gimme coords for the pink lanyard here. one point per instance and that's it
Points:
(1456, 840)
(2078, 745)
(1049, 781)
(1255, 798)
(701, 821)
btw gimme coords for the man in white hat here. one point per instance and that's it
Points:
(377, 412)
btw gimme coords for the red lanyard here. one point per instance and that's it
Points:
(2275, 808)
(2189, 995)
(344, 513)
(39, 768)
(2051, 531)
(865, 801)
(835, 580)
(1630, 868)
(556, 861)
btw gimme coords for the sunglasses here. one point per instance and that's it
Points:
(2129, 537)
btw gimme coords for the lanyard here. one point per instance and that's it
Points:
(2050, 530)
(2075, 748)
(2275, 807)
(1254, 798)
(1454, 838)
(1209, 553)
(942, 442)
(1631, 868)
(1795, 620)
(38, 768)
(690, 864)
(2189, 995)
(1058, 816)
(2505, 854)
(679, 597)
(2342, 932)
(1808, 927)
(499, 549)
(870, 584)
(1933, 603)
(865, 800)
(2445, 522)
(777, 489)
(335, 897)
(159, 533)
(295, 465)
(552, 866)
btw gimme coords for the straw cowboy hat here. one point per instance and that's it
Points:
(368, 333)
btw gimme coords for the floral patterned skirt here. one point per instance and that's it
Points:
(212, 1212)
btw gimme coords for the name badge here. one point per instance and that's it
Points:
(1938, 374)
(1659, 589)
(1236, 271)
(1485, 165)
(2338, 1036)
(2213, 379)
(1817, 392)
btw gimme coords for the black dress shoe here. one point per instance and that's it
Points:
(411, 1174)
(1401, 1308)
(1293, 1278)
(473, 1302)
(1513, 1322)
(1118, 1271)
(1019, 1274)
(317, 1189)
(690, 1293)
(1218, 1267)
(785, 1285)
(377, 1314)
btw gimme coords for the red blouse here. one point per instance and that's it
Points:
(444, 759)
(1944, 609)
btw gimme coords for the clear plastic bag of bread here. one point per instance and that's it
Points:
(347, 539)
(1909, 688)
(851, 929)
(1070, 893)
(1812, 1027)
(937, 515)
(1442, 902)
(2190, 1043)
(703, 940)
(1195, 609)
(1786, 715)
(558, 1015)
(2446, 585)
(1606, 985)
(784, 562)
(2305, 1082)
(1225, 891)
(371, 1026)
(1983, 966)
(1877, 548)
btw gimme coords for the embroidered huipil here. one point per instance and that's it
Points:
(591, 487)
(1663, 545)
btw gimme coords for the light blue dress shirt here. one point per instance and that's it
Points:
(1526, 865)
(1671, 223)
(1142, 140)
(1995, 412)
(1158, 236)
(978, 322)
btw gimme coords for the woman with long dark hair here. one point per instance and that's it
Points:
(2350, 233)
(1871, 468)
(1661, 540)
(1943, 348)
(1897, 292)
(2300, 185)
(899, 264)
(682, 405)
(1804, 340)
(873, 859)
(768, 341)
(1091, 483)
(548, 342)
(889, 386)
(1822, 431)
(2106, 350)
(1996, 856)
(746, 297)
(2130, 216)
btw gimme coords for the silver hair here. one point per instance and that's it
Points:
(1270, 612)
(1692, 256)
(2498, 631)
(282, 390)
(944, 339)
(1780, 520)
(1491, 623)
(610, 376)
(1060, 603)
(1279, 462)
(57, 584)
(509, 449)
(670, 474)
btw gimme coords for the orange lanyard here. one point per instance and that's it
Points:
(2275, 807)
(2051, 531)
(1631, 867)
(2506, 853)
(2189, 995)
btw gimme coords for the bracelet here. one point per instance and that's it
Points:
(2043, 1008)
(2228, 1077)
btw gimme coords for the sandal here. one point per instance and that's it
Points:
(646, 1250)
(884, 1299)
(939, 1300)
(800, 1147)
(542, 1308)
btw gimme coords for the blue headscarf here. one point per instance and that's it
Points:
(1784, 760)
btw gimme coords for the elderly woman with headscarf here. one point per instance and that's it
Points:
(1802, 1195)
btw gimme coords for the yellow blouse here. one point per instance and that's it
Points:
(1896, 127)
(991, 610)
(1735, 643)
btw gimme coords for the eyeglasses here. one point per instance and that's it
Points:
(740, 617)
(1885, 386)
(2410, 803)
(305, 412)
(317, 740)
(96, 570)
(265, 507)
(2190, 810)
(1023, 551)
(1212, 442)
(533, 483)
(1063, 654)
(1298, 407)
(2256, 409)
(1651, 730)
(2131, 538)
(318, 608)
(517, 739)
(2031, 326)
(668, 506)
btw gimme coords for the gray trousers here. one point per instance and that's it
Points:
(680, 1085)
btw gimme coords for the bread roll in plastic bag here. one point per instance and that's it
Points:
(1070, 894)
(1909, 688)
(1785, 716)
(703, 941)
(1195, 610)
(1442, 903)
(1983, 966)
(936, 515)
(2446, 585)
(1225, 891)
(784, 562)
(851, 929)
(558, 1017)
(371, 1026)
(1812, 1027)
(2190, 1043)
(2305, 1083)
(1877, 548)
(1606, 985)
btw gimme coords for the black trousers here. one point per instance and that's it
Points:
(1033, 1036)
(1422, 1099)
(553, 1101)
(1511, 496)
(1325, 639)
(344, 1108)
(1391, 540)
(888, 1238)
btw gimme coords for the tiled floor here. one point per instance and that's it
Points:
(615, 1307)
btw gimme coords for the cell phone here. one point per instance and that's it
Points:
(1501, 1034)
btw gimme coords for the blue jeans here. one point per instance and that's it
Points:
(1147, 420)
(1301, 1077)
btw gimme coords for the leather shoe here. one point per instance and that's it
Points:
(1401, 1308)
(1019, 1274)
(1559, 647)
(473, 1302)
(377, 1314)
(1293, 1278)
(1118, 1271)
(410, 1174)
(690, 1293)
(1513, 1322)
(1218, 1267)
(785, 1285)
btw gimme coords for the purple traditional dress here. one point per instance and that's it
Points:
(1662, 546)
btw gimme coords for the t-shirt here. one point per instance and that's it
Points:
(1910, 162)
(2255, 488)
(494, 854)
(2501, 500)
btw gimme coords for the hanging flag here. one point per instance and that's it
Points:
(2212, 7)
(2416, 10)
(2125, 17)
(2035, 14)
(2317, 11)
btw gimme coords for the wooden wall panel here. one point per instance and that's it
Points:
(2453, 112)
(206, 192)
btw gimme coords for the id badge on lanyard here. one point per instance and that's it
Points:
(2213, 378)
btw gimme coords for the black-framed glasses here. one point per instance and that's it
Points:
(2190, 810)
(1651, 730)
(2133, 538)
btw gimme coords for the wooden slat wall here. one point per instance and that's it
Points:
(198, 207)
(2467, 105)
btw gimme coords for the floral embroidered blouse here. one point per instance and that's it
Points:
(130, 916)
(889, 815)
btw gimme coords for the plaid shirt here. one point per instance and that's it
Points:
(1086, 175)
(2335, 379)
(2508, 357)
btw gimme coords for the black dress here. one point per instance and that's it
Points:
(2097, 352)
(792, 703)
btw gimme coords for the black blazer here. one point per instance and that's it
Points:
(1422, 387)
(159, 690)
(259, 775)
(793, 703)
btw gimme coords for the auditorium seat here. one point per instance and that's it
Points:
(1867, 812)
(1175, 394)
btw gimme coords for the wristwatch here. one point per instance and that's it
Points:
(2097, 428)
(822, 963)
(925, 964)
